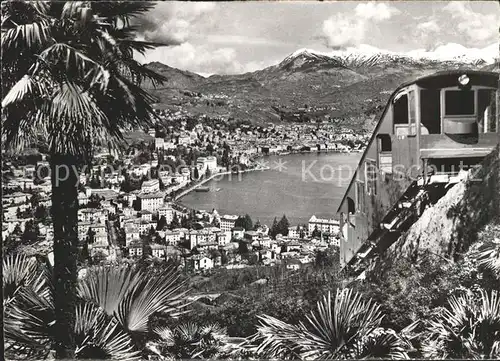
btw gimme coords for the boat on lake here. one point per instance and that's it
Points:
(202, 189)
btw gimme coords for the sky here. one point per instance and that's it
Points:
(237, 37)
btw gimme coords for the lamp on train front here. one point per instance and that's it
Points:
(464, 81)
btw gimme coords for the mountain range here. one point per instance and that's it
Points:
(348, 85)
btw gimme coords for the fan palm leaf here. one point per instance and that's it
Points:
(100, 336)
(191, 340)
(469, 327)
(28, 306)
(133, 295)
(341, 328)
(487, 255)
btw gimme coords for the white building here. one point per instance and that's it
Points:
(151, 201)
(205, 163)
(150, 186)
(158, 250)
(223, 238)
(227, 222)
(202, 263)
(172, 237)
(135, 249)
(331, 226)
(132, 233)
(166, 212)
(159, 143)
(293, 233)
(93, 215)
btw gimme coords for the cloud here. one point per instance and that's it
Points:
(349, 29)
(375, 11)
(201, 59)
(242, 40)
(474, 26)
(173, 23)
(427, 32)
(341, 31)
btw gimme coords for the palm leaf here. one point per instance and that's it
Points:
(468, 328)
(276, 339)
(26, 36)
(99, 336)
(28, 306)
(342, 328)
(190, 341)
(132, 295)
(122, 9)
(383, 344)
(487, 255)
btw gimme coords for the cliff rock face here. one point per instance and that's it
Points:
(450, 226)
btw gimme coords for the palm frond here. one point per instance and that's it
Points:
(26, 36)
(99, 336)
(191, 340)
(18, 271)
(123, 9)
(276, 339)
(468, 328)
(75, 63)
(339, 328)
(383, 344)
(487, 255)
(133, 296)
(28, 306)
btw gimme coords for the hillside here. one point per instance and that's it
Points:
(450, 226)
(343, 85)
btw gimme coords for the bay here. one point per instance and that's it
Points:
(297, 185)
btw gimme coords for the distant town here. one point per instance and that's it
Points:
(129, 208)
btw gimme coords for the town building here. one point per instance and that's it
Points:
(150, 186)
(323, 225)
(167, 212)
(227, 222)
(151, 201)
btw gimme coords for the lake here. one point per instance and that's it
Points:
(297, 185)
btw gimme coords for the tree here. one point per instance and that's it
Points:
(175, 222)
(316, 232)
(31, 232)
(41, 213)
(35, 200)
(90, 239)
(244, 222)
(94, 201)
(69, 79)
(161, 224)
(274, 228)
(283, 225)
(196, 174)
(95, 181)
(242, 247)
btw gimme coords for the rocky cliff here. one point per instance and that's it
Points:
(451, 225)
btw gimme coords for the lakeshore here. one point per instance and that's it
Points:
(291, 191)
(214, 176)
(205, 180)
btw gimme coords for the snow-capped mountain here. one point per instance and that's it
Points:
(355, 82)
(366, 55)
